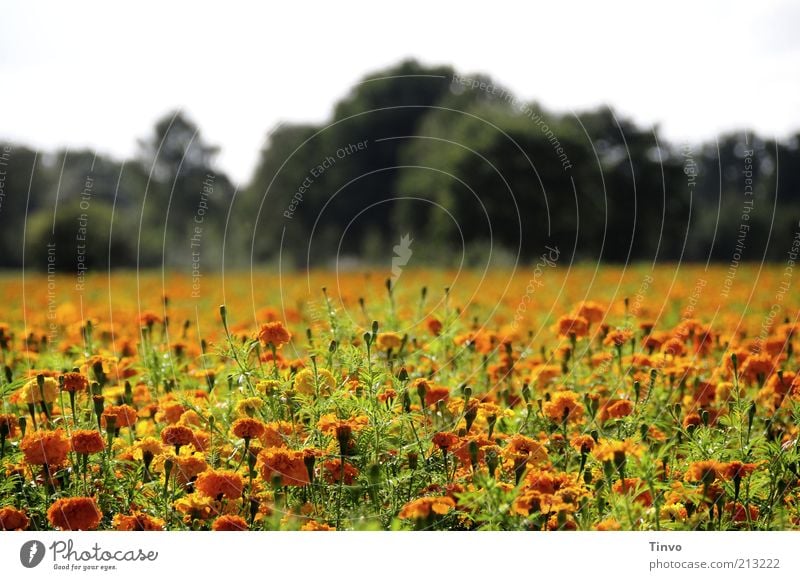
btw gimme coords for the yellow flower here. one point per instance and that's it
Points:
(195, 506)
(268, 386)
(30, 393)
(149, 446)
(304, 381)
(617, 451)
(248, 407)
(387, 340)
(190, 418)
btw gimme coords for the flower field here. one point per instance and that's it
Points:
(548, 399)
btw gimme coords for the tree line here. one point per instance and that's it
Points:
(455, 165)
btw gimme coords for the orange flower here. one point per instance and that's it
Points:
(757, 367)
(170, 413)
(330, 424)
(608, 525)
(125, 415)
(275, 434)
(543, 374)
(75, 513)
(229, 523)
(248, 428)
(549, 482)
(601, 360)
(217, 484)
(435, 394)
(563, 406)
(176, 435)
(582, 443)
(75, 382)
(576, 326)
(591, 311)
(420, 385)
(617, 409)
(8, 426)
(333, 472)
(737, 469)
(388, 394)
(274, 334)
(653, 342)
(617, 337)
(315, 526)
(479, 442)
(692, 420)
(427, 507)
(149, 318)
(704, 471)
(739, 512)
(188, 467)
(527, 447)
(704, 393)
(201, 440)
(482, 341)
(12, 519)
(87, 441)
(445, 441)
(137, 522)
(548, 492)
(45, 447)
(673, 347)
(555, 523)
(434, 326)
(284, 464)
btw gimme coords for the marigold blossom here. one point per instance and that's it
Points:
(45, 447)
(274, 334)
(87, 441)
(12, 519)
(74, 513)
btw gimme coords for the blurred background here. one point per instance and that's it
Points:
(148, 136)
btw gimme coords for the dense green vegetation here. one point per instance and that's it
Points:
(454, 161)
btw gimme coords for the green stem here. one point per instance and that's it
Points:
(341, 493)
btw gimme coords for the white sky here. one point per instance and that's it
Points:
(98, 74)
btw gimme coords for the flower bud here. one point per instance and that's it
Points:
(491, 420)
(309, 460)
(473, 454)
(343, 434)
(470, 415)
(491, 461)
(421, 390)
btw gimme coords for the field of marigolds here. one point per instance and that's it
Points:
(565, 399)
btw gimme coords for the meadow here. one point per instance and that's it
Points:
(542, 398)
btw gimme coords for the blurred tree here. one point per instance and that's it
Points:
(185, 191)
(458, 163)
(27, 179)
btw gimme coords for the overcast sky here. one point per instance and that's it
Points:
(96, 74)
